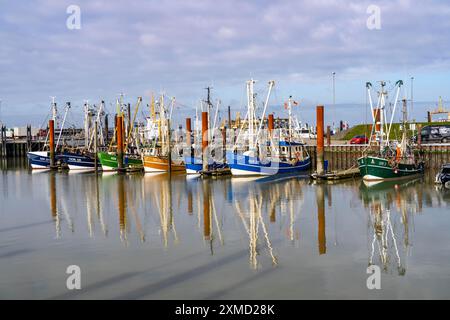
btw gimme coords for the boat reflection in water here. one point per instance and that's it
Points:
(257, 203)
(58, 210)
(392, 206)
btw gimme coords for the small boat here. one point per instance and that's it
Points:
(161, 164)
(80, 162)
(282, 154)
(393, 160)
(108, 161)
(156, 157)
(132, 161)
(195, 165)
(443, 177)
(40, 159)
(249, 164)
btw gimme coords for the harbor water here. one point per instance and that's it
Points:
(144, 236)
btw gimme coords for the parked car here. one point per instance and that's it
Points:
(435, 133)
(443, 177)
(359, 140)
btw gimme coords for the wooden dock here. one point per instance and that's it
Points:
(337, 175)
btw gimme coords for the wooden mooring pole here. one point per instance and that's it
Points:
(320, 141)
(119, 135)
(205, 141)
(51, 137)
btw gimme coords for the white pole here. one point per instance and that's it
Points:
(393, 111)
(271, 84)
(62, 126)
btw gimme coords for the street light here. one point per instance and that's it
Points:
(412, 92)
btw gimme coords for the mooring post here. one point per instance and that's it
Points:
(320, 142)
(51, 137)
(271, 124)
(188, 135)
(205, 141)
(119, 134)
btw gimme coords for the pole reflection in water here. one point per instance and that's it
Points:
(53, 204)
(320, 198)
(56, 213)
(390, 204)
(122, 205)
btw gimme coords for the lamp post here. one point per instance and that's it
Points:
(412, 94)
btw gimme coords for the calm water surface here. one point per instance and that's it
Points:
(151, 237)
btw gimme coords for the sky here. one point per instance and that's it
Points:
(180, 47)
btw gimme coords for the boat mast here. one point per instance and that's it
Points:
(290, 118)
(86, 124)
(251, 113)
(382, 112)
(62, 126)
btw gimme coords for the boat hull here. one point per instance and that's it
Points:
(40, 159)
(195, 165)
(161, 164)
(242, 165)
(109, 162)
(79, 162)
(379, 169)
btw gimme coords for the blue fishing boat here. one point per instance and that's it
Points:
(274, 151)
(291, 159)
(195, 165)
(41, 159)
(80, 162)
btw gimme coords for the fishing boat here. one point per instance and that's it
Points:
(41, 159)
(84, 159)
(158, 157)
(194, 161)
(279, 154)
(393, 160)
(132, 161)
(109, 162)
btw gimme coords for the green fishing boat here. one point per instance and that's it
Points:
(394, 159)
(109, 161)
(375, 168)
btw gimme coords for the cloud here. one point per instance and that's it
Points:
(181, 46)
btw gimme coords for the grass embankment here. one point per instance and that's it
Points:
(365, 129)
